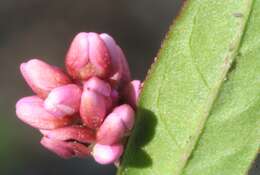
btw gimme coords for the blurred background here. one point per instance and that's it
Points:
(44, 29)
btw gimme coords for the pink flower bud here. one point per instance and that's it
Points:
(132, 91)
(127, 115)
(31, 111)
(63, 100)
(65, 149)
(111, 131)
(76, 122)
(93, 108)
(106, 154)
(125, 67)
(75, 132)
(102, 87)
(116, 125)
(42, 77)
(120, 71)
(88, 56)
(98, 85)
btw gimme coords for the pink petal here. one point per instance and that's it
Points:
(112, 48)
(105, 154)
(116, 125)
(112, 130)
(74, 132)
(87, 57)
(57, 147)
(65, 149)
(126, 114)
(120, 71)
(132, 92)
(93, 108)
(63, 100)
(98, 85)
(125, 67)
(99, 55)
(31, 111)
(42, 77)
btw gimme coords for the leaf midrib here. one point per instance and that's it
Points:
(228, 61)
(230, 56)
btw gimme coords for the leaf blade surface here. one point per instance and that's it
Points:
(189, 90)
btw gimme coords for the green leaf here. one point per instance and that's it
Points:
(199, 111)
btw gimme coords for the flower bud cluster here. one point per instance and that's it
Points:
(90, 110)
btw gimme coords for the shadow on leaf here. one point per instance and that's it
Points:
(143, 133)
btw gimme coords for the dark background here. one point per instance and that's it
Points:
(44, 29)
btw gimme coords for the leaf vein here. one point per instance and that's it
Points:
(192, 54)
(229, 59)
(172, 138)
